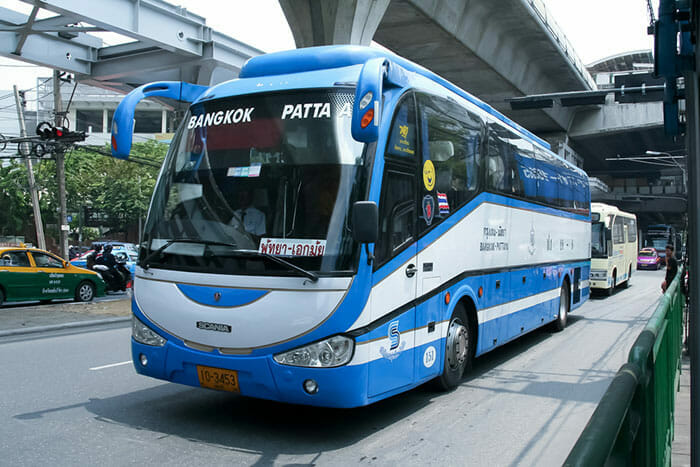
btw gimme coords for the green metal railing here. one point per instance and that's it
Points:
(633, 424)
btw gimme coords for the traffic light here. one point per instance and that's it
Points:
(59, 134)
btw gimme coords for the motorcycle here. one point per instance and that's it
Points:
(117, 278)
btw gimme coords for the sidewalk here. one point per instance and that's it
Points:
(680, 450)
(34, 317)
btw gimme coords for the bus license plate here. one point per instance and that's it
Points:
(218, 378)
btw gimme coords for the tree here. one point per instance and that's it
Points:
(16, 213)
(117, 188)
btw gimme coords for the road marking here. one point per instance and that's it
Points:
(110, 365)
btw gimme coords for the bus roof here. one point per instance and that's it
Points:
(342, 56)
(606, 209)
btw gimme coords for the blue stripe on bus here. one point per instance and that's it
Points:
(538, 279)
(484, 197)
(227, 297)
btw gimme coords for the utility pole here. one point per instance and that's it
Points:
(63, 227)
(30, 173)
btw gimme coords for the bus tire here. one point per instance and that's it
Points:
(459, 349)
(85, 292)
(564, 305)
(627, 282)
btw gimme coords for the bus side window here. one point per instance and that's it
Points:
(502, 172)
(450, 140)
(402, 142)
(396, 214)
(618, 233)
(632, 231)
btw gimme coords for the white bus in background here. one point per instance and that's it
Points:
(613, 247)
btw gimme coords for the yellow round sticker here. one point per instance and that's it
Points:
(429, 175)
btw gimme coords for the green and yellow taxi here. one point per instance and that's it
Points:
(34, 274)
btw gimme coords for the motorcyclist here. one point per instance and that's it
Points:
(91, 259)
(112, 276)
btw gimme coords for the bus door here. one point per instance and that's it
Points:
(395, 275)
(618, 253)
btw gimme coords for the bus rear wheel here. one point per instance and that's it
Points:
(627, 282)
(459, 345)
(612, 287)
(564, 304)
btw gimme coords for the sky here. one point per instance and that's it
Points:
(596, 28)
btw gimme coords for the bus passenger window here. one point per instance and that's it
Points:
(402, 141)
(496, 168)
(618, 232)
(451, 137)
(631, 230)
(396, 215)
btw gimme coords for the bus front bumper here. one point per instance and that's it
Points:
(258, 376)
(600, 284)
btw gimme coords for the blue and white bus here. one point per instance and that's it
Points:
(339, 225)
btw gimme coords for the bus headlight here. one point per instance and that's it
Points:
(598, 274)
(145, 335)
(331, 352)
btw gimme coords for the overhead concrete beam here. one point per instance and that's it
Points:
(492, 48)
(315, 22)
(617, 118)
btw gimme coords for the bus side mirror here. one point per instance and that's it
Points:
(608, 241)
(123, 120)
(366, 112)
(365, 223)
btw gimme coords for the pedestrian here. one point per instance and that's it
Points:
(671, 268)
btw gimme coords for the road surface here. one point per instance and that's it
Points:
(75, 399)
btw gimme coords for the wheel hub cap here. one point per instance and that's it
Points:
(457, 343)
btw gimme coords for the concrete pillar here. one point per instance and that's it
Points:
(327, 22)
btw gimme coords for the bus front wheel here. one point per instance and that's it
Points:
(459, 346)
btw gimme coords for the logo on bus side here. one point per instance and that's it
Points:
(396, 346)
(428, 209)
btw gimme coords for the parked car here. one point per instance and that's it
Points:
(648, 258)
(34, 274)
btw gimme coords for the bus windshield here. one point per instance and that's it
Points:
(598, 249)
(272, 174)
(659, 243)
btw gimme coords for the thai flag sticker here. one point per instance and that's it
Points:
(443, 206)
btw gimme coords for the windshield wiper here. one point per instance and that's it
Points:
(246, 253)
(275, 259)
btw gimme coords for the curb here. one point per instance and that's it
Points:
(62, 326)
